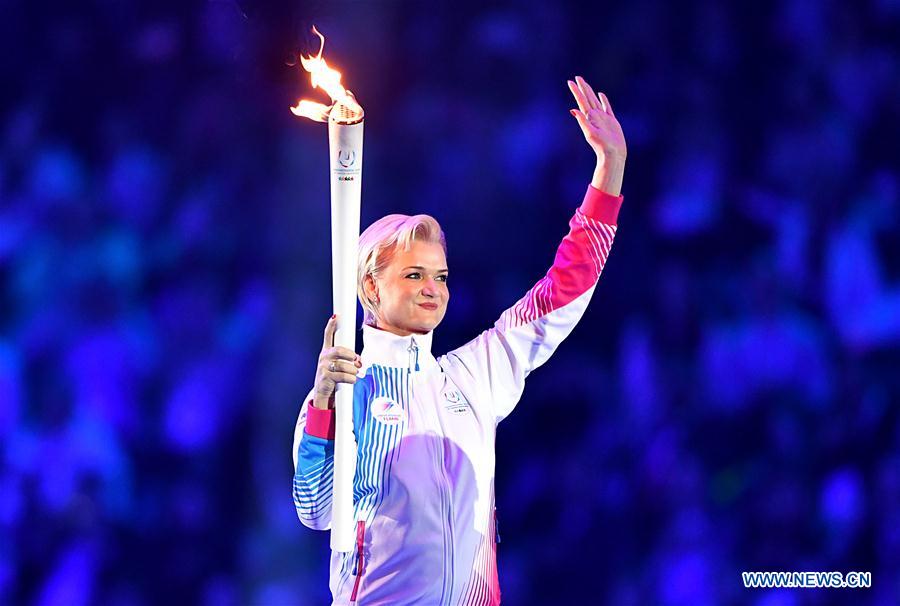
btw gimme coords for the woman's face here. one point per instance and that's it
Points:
(412, 291)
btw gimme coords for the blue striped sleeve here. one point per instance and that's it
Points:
(313, 475)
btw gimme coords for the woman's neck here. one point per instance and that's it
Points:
(396, 331)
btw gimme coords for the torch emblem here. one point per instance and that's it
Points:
(347, 158)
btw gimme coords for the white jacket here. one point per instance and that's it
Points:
(424, 485)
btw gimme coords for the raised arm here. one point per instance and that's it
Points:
(495, 364)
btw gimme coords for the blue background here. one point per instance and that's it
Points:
(728, 403)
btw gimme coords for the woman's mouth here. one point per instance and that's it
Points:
(431, 306)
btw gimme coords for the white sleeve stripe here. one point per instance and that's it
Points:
(593, 238)
(316, 468)
(538, 301)
(582, 220)
(609, 234)
(605, 234)
(314, 489)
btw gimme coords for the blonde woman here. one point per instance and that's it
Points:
(425, 426)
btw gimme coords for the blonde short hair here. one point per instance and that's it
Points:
(378, 245)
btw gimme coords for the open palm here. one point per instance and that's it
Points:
(595, 115)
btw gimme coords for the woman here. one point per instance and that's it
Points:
(425, 427)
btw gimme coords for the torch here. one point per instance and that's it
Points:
(345, 141)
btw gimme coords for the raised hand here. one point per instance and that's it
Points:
(598, 123)
(603, 133)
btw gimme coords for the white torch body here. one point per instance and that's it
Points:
(345, 143)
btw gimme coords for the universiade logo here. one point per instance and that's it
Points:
(456, 402)
(387, 412)
(346, 158)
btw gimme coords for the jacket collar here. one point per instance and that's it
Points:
(387, 349)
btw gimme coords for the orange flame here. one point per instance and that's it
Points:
(324, 77)
(312, 110)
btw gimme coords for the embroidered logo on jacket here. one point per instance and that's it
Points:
(386, 411)
(456, 402)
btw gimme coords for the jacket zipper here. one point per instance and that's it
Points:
(414, 365)
(445, 489)
(413, 355)
(360, 539)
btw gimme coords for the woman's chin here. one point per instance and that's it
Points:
(423, 326)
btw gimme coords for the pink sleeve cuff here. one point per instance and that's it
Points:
(320, 422)
(601, 206)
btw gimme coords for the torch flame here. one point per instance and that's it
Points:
(329, 80)
(312, 110)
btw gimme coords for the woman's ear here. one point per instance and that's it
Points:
(370, 288)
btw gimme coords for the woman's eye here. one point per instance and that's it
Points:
(416, 274)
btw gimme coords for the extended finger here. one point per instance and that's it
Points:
(607, 104)
(588, 93)
(579, 97)
(330, 329)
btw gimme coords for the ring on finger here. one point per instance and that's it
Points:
(331, 367)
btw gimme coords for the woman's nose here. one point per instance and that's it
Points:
(430, 287)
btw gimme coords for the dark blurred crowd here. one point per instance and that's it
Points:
(728, 403)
